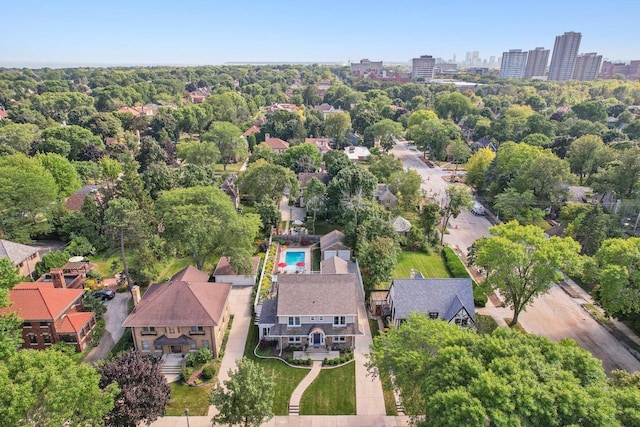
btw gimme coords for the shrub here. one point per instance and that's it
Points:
(457, 269)
(203, 355)
(93, 274)
(186, 373)
(479, 297)
(208, 372)
(191, 360)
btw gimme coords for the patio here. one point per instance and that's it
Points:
(293, 267)
(316, 355)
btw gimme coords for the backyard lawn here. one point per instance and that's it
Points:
(285, 377)
(430, 265)
(332, 393)
(184, 396)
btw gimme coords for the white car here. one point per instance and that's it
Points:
(477, 209)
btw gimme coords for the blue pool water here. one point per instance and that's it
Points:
(294, 257)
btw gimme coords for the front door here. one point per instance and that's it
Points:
(316, 338)
(176, 349)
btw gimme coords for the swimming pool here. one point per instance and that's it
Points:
(294, 257)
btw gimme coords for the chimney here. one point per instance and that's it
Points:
(267, 136)
(57, 278)
(135, 293)
(412, 274)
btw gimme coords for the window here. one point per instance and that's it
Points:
(26, 324)
(33, 339)
(321, 318)
(205, 343)
(145, 344)
(193, 345)
(294, 339)
(313, 319)
(171, 330)
(158, 347)
(46, 338)
(149, 330)
(433, 315)
(339, 321)
(265, 332)
(197, 330)
(44, 324)
(462, 322)
(294, 320)
(339, 339)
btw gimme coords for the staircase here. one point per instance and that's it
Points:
(294, 409)
(172, 367)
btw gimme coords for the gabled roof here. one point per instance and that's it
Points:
(330, 239)
(400, 225)
(3, 114)
(317, 294)
(334, 265)
(305, 177)
(444, 296)
(190, 274)
(16, 252)
(224, 267)
(383, 193)
(41, 302)
(74, 322)
(253, 129)
(181, 302)
(277, 144)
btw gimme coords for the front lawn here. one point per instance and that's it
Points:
(194, 398)
(285, 377)
(332, 393)
(430, 265)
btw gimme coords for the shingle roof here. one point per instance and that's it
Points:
(190, 274)
(334, 265)
(277, 143)
(181, 303)
(16, 252)
(330, 239)
(41, 302)
(400, 225)
(305, 177)
(317, 294)
(224, 267)
(445, 296)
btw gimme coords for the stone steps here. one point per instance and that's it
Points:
(294, 410)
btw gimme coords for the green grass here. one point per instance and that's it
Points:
(323, 227)
(104, 260)
(486, 324)
(125, 343)
(332, 393)
(430, 265)
(231, 167)
(387, 388)
(285, 377)
(184, 396)
(315, 259)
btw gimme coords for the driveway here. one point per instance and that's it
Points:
(113, 330)
(556, 314)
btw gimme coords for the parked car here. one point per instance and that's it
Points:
(104, 294)
(477, 209)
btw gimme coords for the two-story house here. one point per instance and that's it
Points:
(180, 316)
(317, 311)
(50, 315)
(277, 145)
(23, 257)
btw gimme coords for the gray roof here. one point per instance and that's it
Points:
(268, 312)
(334, 265)
(444, 296)
(331, 239)
(400, 225)
(16, 252)
(317, 294)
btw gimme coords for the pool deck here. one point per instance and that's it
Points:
(292, 269)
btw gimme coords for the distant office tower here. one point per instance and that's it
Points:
(536, 62)
(565, 51)
(423, 67)
(587, 66)
(513, 64)
(366, 67)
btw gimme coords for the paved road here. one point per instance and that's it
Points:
(113, 330)
(556, 314)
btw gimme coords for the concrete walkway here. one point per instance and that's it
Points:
(296, 396)
(369, 397)
(240, 302)
(298, 421)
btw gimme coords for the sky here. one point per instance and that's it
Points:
(54, 33)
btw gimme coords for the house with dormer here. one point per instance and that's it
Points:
(450, 300)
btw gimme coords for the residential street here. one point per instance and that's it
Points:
(556, 314)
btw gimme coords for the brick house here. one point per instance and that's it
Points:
(184, 314)
(50, 315)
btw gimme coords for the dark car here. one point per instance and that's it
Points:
(104, 294)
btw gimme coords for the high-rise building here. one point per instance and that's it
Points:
(587, 66)
(513, 64)
(365, 67)
(536, 63)
(630, 71)
(565, 51)
(423, 67)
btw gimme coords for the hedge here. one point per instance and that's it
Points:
(458, 270)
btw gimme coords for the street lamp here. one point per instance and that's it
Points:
(186, 413)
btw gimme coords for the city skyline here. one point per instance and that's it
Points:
(77, 33)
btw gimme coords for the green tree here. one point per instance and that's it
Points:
(228, 138)
(434, 135)
(347, 192)
(406, 185)
(377, 259)
(617, 274)
(262, 178)
(457, 200)
(19, 136)
(51, 388)
(79, 139)
(591, 228)
(201, 221)
(336, 126)
(429, 220)
(476, 168)
(384, 133)
(9, 275)
(621, 175)
(420, 116)
(246, 398)
(63, 172)
(383, 166)
(452, 376)
(335, 161)
(594, 111)
(586, 154)
(293, 154)
(315, 196)
(198, 153)
(125, 224)
(454, 106)
(522, 264)
(633, 130)
(519, 205)
(269, 214)
(459, 151)
(548, 177)
(263, 151)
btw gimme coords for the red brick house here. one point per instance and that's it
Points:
(50, 315)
